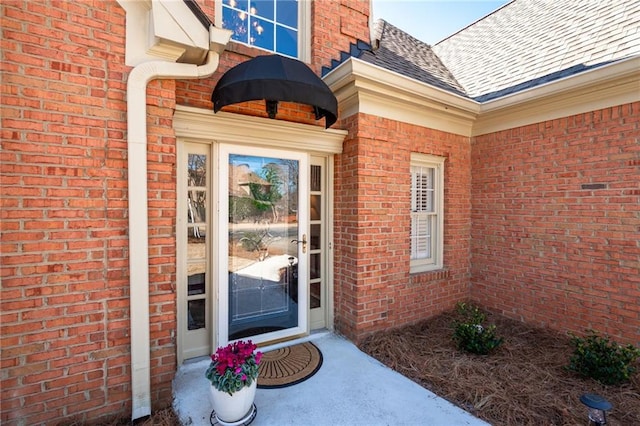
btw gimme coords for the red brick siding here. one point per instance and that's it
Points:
(161, 172)
(65, 301)
(547, 247)
(374, 289)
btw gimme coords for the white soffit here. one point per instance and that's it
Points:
(361, 87)
(200, 124)
(163, 29)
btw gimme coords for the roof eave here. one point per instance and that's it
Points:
(614, 84)
(361, 87)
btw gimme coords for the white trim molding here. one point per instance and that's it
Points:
(361, 87)
(614, 84)
(198, 123)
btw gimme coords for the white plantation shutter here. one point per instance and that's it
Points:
(426, 212)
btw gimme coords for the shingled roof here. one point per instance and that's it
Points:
(398, 51)
(529, 42)
(520, 45)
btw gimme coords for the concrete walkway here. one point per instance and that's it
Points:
(351, 388)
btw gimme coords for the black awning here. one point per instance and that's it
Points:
(275, 78)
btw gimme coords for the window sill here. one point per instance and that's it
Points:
(431, 275)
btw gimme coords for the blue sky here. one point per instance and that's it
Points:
(433, 20)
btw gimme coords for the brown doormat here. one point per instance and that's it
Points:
(288, 366)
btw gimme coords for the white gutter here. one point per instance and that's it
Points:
(137, 82)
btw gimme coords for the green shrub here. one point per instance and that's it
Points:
(471, 335)
(601, 359)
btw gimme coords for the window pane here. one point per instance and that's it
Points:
(314, 266)
(315, 237)
(262, 8)
(316, 178)
(197, 206)
(316, 210)
(315, 296)
(237, 4)
(286, 41)
(196, 280)
(261, 33)
(421, 236)
(196, 239)
(237, 22)
(287, 13)
(197, 170)
(196, 314)
(422, 189)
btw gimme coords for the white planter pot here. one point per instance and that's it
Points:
(231, 408)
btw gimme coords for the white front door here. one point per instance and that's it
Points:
(263, 243)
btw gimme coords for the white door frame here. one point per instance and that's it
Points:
(222, 326)
(199, 125)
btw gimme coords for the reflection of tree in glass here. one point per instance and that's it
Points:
(291, 184)
(196, 199)
(197, 170)
(266, 196)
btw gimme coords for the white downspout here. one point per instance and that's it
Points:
(137, 82)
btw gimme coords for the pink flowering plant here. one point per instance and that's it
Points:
(234, 366)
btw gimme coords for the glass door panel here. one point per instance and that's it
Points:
(317, 249)
(264, 294)
(195, 289)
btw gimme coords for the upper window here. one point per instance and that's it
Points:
(273, 25)
(427, 180)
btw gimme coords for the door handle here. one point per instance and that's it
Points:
(303, 241)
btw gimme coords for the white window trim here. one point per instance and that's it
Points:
(436, 261)
(304, 29)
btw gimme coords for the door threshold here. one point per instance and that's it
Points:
(300, 339)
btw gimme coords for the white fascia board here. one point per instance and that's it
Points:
(362, 87)
(607, 86)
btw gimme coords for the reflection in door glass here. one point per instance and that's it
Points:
(196, 314)
(263, 264)
(314, 266)
(314, 295)
(315, 237)
(316, 208)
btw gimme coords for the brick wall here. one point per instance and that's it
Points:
(65, 300)
(374, 289)
(65, 303)
(556, 219)
(334, 25)
(161, 172)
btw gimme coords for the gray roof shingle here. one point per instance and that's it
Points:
(399, 52)
(529, 42)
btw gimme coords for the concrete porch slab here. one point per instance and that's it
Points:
(351, 388)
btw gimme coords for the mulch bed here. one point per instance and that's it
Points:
(523, 382)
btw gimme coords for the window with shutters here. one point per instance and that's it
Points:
(427, 180)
